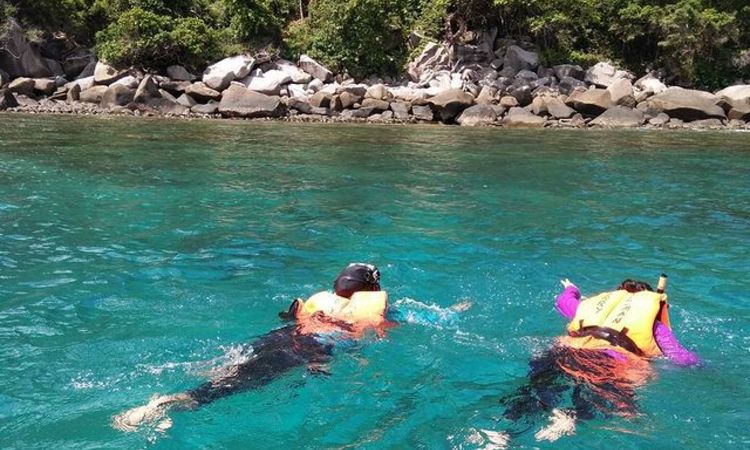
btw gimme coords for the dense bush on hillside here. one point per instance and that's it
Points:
(144, 38)
(694, 41)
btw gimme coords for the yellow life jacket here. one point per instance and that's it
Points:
(619, 319)
(362, 308)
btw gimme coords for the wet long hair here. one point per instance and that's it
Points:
(634, 286)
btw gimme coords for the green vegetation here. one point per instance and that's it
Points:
(696, 42)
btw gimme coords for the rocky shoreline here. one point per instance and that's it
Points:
(484, 83)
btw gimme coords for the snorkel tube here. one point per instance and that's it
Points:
(662, 285)
(664, 310)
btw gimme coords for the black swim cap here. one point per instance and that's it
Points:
(357, 277)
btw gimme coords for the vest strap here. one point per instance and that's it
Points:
(614, 337)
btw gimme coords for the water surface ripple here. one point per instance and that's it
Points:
(137, 255)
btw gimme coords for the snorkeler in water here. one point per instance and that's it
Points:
(602, 360)
(325, 320)
(356, 306)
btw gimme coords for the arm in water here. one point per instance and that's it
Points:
(672, 349)
(413, 311)
(567, 304)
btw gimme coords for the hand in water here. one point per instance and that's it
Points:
(566, 282)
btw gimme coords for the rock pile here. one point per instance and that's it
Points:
(483, 82)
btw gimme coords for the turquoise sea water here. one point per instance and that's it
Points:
(136, 256)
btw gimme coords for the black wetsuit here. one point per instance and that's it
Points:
(549, 383)
(273, 354)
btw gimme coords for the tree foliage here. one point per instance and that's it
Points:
(694, 41)
(147, 39)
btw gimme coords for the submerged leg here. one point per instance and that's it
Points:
(273, 355)
(546, 386)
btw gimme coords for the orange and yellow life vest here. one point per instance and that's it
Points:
(362, 309)
(619, 319)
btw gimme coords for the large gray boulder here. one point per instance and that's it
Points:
(400, 110)
(526, 76)
(18, 57)
(22, 85)
(45, 86)
(208, 108)
(268, 83)
(83, 83)
(477, 115)
(186, 100)
(508, 101)
(522, 93)
(148, 89)
(475, 48)
(76, 61)
(740, 112)
(179, 73)
(361, 113)
(650, 85)
(168, 95)
(315, 69)
(296, 90)
(54, 67)
(376, 104)
(487, 96)
(348, 99)
(202, 93)
(358, 90)
(592, 102)
(297, 75)
(621, 92)
(557, 109)
(433, 58)
(167, 106)
(238, 101)
(687, 104)
(378, 92)
(93, 94)
(520, 59)
(619, 117)
(175, 87)
(520, 117)
(449, 104)
(604, 74)
(106, 74)
(7, 100)
(218, 75)
(569, 70)
(117, 95)
(406, 93)
(736, 96)
(128, 81)
(320, 99)
(711, 124)
(569, 84)
(74, 94)
(422, 112)
(88, 71)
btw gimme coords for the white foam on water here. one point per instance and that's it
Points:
(486, 439)
(232, 356)
(561, 423)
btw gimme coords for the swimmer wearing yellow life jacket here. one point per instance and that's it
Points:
(603, 358)
(633, 319)
(356, 305)
(619, 320)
